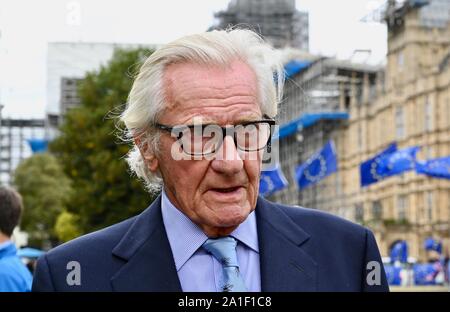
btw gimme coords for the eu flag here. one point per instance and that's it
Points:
(393, 274)
(425, 273)
(318, 166)
(272, 181)
(399, 161)
(399, 252)
(372, 170)
(438, 167)
(432, 244)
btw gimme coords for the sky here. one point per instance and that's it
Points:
(26, 26)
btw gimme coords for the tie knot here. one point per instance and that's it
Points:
(223, 249)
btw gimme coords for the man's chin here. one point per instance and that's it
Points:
(224, 226)
(231, 215)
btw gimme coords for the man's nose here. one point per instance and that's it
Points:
(227, 159)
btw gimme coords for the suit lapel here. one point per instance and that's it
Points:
(285, 266)
(149, 264)
(149, 261)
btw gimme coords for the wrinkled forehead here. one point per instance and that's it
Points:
(213, 78)
(217, 94)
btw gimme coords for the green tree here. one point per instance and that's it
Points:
(67, 226)
(45, 190)
(104, 192)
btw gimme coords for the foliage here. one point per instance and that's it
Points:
(45, 190)
(66, 227)
(104, 192)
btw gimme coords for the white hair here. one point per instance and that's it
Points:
(146, 100)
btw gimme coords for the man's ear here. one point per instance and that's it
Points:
(149, 157)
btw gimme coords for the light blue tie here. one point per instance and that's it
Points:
(224, 250)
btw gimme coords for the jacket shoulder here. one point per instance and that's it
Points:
(90, 255)
(342, 249)
(314, 220)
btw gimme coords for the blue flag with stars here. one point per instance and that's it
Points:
(399, 161)
(432, 244)
(399, 252)
(438, 167)
(318, 166)
(372, 170)
(272, 181)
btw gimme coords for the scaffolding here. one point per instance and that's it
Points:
(432, 13)
(314, 110)
(14, 134)
(277, 21)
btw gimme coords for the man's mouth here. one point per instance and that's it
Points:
(227, 194)
(226, 190)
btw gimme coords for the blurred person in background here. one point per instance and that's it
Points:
(14, 275)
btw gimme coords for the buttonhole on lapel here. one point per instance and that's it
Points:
(299, 268)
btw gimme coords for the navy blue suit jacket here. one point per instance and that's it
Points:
(300, 250)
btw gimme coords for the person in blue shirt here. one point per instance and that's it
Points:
(14, 275)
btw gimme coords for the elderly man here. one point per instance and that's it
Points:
(200, 114)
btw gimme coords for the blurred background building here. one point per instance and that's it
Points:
(278, 21)
(67, 64)
(363, 109)
(15, 138)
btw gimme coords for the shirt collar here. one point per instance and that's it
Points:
(247, 233)
(7, 249)
(185, 237)
(5, 244)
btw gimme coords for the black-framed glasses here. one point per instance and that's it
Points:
(206, 139)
